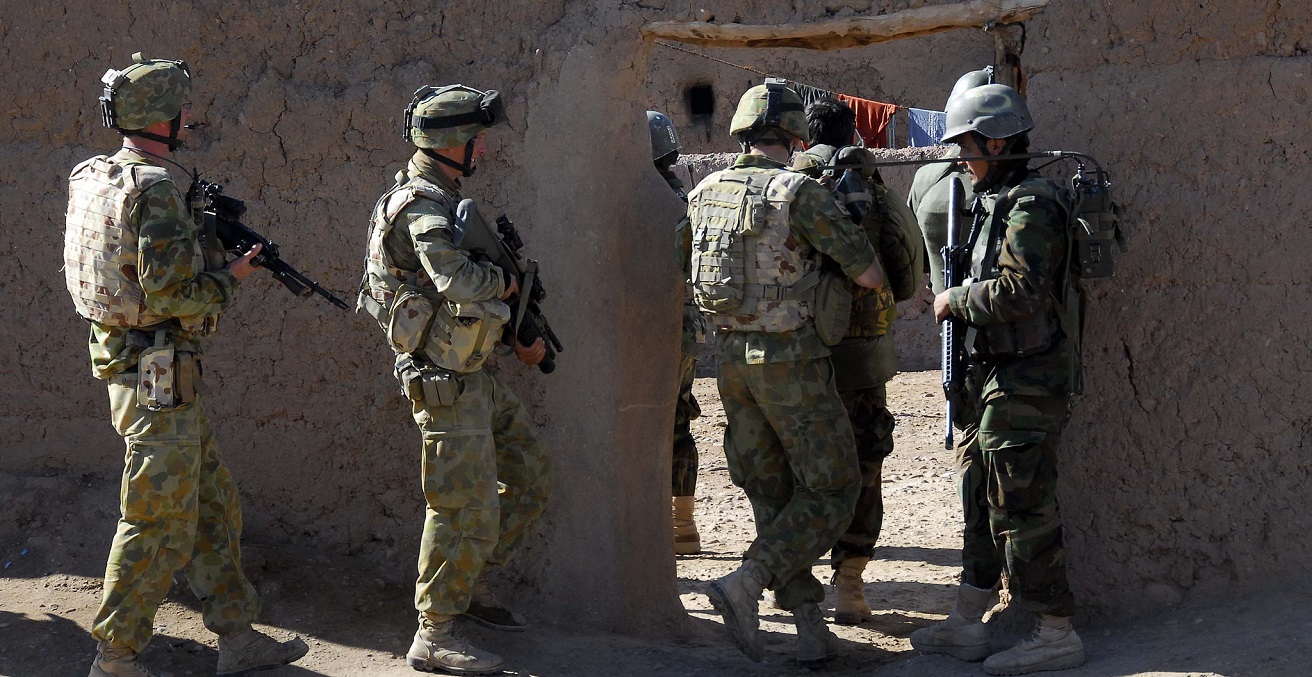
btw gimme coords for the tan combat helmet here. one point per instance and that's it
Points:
(147, 92)
(771, 106)
(451, 116)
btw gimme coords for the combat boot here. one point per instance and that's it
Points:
(114, 661)
(439, 647)
(686, 539)
(251, 649)
(963, 634)
(850, 606)
(486, 610)
(1054, 646)
(814, 640)
(735, 597)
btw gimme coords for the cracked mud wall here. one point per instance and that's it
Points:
(1184, 465)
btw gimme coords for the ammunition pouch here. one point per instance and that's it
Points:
(167, 378)
(1016, 339)
(463, 335)
(426, 384)
(410, 319)
(832, 306)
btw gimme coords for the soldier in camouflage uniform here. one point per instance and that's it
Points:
(758, 232)
(152, 283)
(1018, 301)
(865, 359)
(485, 475)
(683, 483)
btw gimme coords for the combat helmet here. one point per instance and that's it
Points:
(664, 140)
(147, 92)
(447, 117)
(992, 111)
(767, 107)
(971, 80)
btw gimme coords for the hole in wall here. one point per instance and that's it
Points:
(701, 103)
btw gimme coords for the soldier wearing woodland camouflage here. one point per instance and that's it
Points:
(1021, 302)
(152, 282)
(683, 481)
(485, 475)
(758, 234)
(865, 359)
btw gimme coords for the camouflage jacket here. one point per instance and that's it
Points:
(171, 268)
(422, 239)
(815, 218)
(1031, 252)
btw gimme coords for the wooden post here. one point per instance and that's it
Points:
(847, 32)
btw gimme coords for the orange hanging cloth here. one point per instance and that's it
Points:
(872, 118)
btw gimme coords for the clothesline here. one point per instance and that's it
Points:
(875, 120)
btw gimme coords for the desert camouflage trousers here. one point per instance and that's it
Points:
(684, 479)
(180, 510)
(485, 480)
(872, 426)
(789, 447)
(1007, 480)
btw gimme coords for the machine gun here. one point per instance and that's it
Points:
(956, 261)
(238, 238)
(501, 247)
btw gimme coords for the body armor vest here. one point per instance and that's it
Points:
(458, 337)
(748, 272)
(100, 242)
(1037, 333)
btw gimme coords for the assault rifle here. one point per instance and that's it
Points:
(956, 261)
(501, 247)
(238, 238)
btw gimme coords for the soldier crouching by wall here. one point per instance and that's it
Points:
(485, 475)
(152, 285)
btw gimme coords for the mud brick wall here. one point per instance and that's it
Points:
(1184, 465)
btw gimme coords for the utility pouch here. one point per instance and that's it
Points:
(833, 307)
(157, 378)
(188, 374)
(428, 385)
(410, 319)
(1016, 339)
(463, 335)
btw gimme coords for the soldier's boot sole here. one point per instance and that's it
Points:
(422, 665)
(973, 647)
(736, 621)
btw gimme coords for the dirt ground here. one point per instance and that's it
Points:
(54, 532)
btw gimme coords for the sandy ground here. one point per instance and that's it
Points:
(54, 532)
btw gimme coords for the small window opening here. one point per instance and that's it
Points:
(701, 103)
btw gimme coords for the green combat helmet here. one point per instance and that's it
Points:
(664, 140)
(992, 111)
(766, 108)
(971, 80)
(447, 117)
(147, 92)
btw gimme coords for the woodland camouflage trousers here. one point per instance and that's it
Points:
(789, 447)
(684, 480)
(179, 511)
(485, 479)
(872, 426)
(1007, 481)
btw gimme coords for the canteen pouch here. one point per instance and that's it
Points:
(428, 385)
(833, 307)
(157, 378)
(409, 320)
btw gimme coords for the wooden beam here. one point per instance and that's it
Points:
(847, 32)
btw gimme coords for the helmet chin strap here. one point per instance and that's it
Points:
(465, 169)
(172, 140)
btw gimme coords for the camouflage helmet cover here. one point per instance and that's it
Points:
(971, 80)
(771, 105)
(450, 116)
(664, 140)
(995, 111)
(148, 91)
